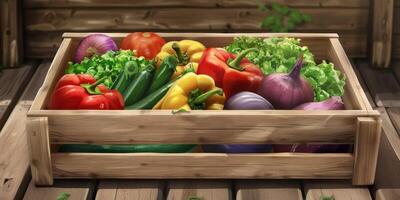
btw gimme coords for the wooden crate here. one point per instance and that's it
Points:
(358, 125)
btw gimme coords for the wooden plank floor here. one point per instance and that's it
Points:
(382, 88)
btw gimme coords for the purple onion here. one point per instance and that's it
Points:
(312, 148)
(286, 91)
(247, 101)
(333, 103)
(94, 44)
(237, 148)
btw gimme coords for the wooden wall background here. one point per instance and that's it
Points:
(46, 20)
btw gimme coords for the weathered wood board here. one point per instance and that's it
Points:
(383, 85)
(130, 189)
(340, 190)
(388, 194)
(207, 190)
(268, 190)
(74, 189)
(13, 141)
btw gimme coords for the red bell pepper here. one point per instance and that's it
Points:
(232, 73)
(82, 91)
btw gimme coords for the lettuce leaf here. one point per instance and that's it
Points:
(280, 55)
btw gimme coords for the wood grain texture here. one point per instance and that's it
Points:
(268, 189)
(366, 149)
(382, 30)
(129, 189)
(11, 33)
(362, 83)
(394, 114)
(39, 146)
(341, 190)
(35, 82)
(77, 190)
(14, 144)
(191, 3)
(382, 84)
(388, 168)
(13, 82)
(353, 90)
(203, 189)
(175, 19)
(388, 194)
(56, 69)
(14, 157)
(201, 127)
(202, 165)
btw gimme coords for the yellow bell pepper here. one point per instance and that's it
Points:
(188, 53)
(193, 92)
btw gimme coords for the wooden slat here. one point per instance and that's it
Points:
(268, 189)
(382, 30)
(207, 190)
(56, 68)
(11, 33)
(14, 153)
(13, 142)
(77, 190)
(129, 189)
(204, 127)
(362, 83)
(39, 147)
(353, 89)
(382, 84)
(202, 165)
(388, 194)
(394, 114)
(191, 3)
(366, 150)
(13, 82)
(176, 19)
(388, 168)
(341, 190)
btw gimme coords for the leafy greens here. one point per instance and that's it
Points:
(280, 55)
(109, 64)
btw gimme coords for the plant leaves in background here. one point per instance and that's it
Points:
(281, 18)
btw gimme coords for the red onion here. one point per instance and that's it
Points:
(286, 91)
(247, 101)
(333, 103)
(94, 44)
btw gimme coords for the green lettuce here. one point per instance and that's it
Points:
(280, 55)
(107, 65)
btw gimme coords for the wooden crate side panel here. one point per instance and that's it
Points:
(202, 165)
(366, 150)
(354, 94)
(38, 136)
(64, 54)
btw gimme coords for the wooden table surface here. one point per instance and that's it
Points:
(19, 87)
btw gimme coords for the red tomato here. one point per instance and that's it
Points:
(146, 44)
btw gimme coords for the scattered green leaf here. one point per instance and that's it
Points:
(195, 198)
(63, 196)
(280, 55)
(322, 197)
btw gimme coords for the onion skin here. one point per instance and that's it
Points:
(247, 101)
(286, 91)
(333, 103)
(94, 44)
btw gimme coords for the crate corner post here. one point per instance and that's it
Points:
(366, 149)
(38, 139)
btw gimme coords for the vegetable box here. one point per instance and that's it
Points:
(359, 124)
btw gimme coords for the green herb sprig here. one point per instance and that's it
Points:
(282, 18)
